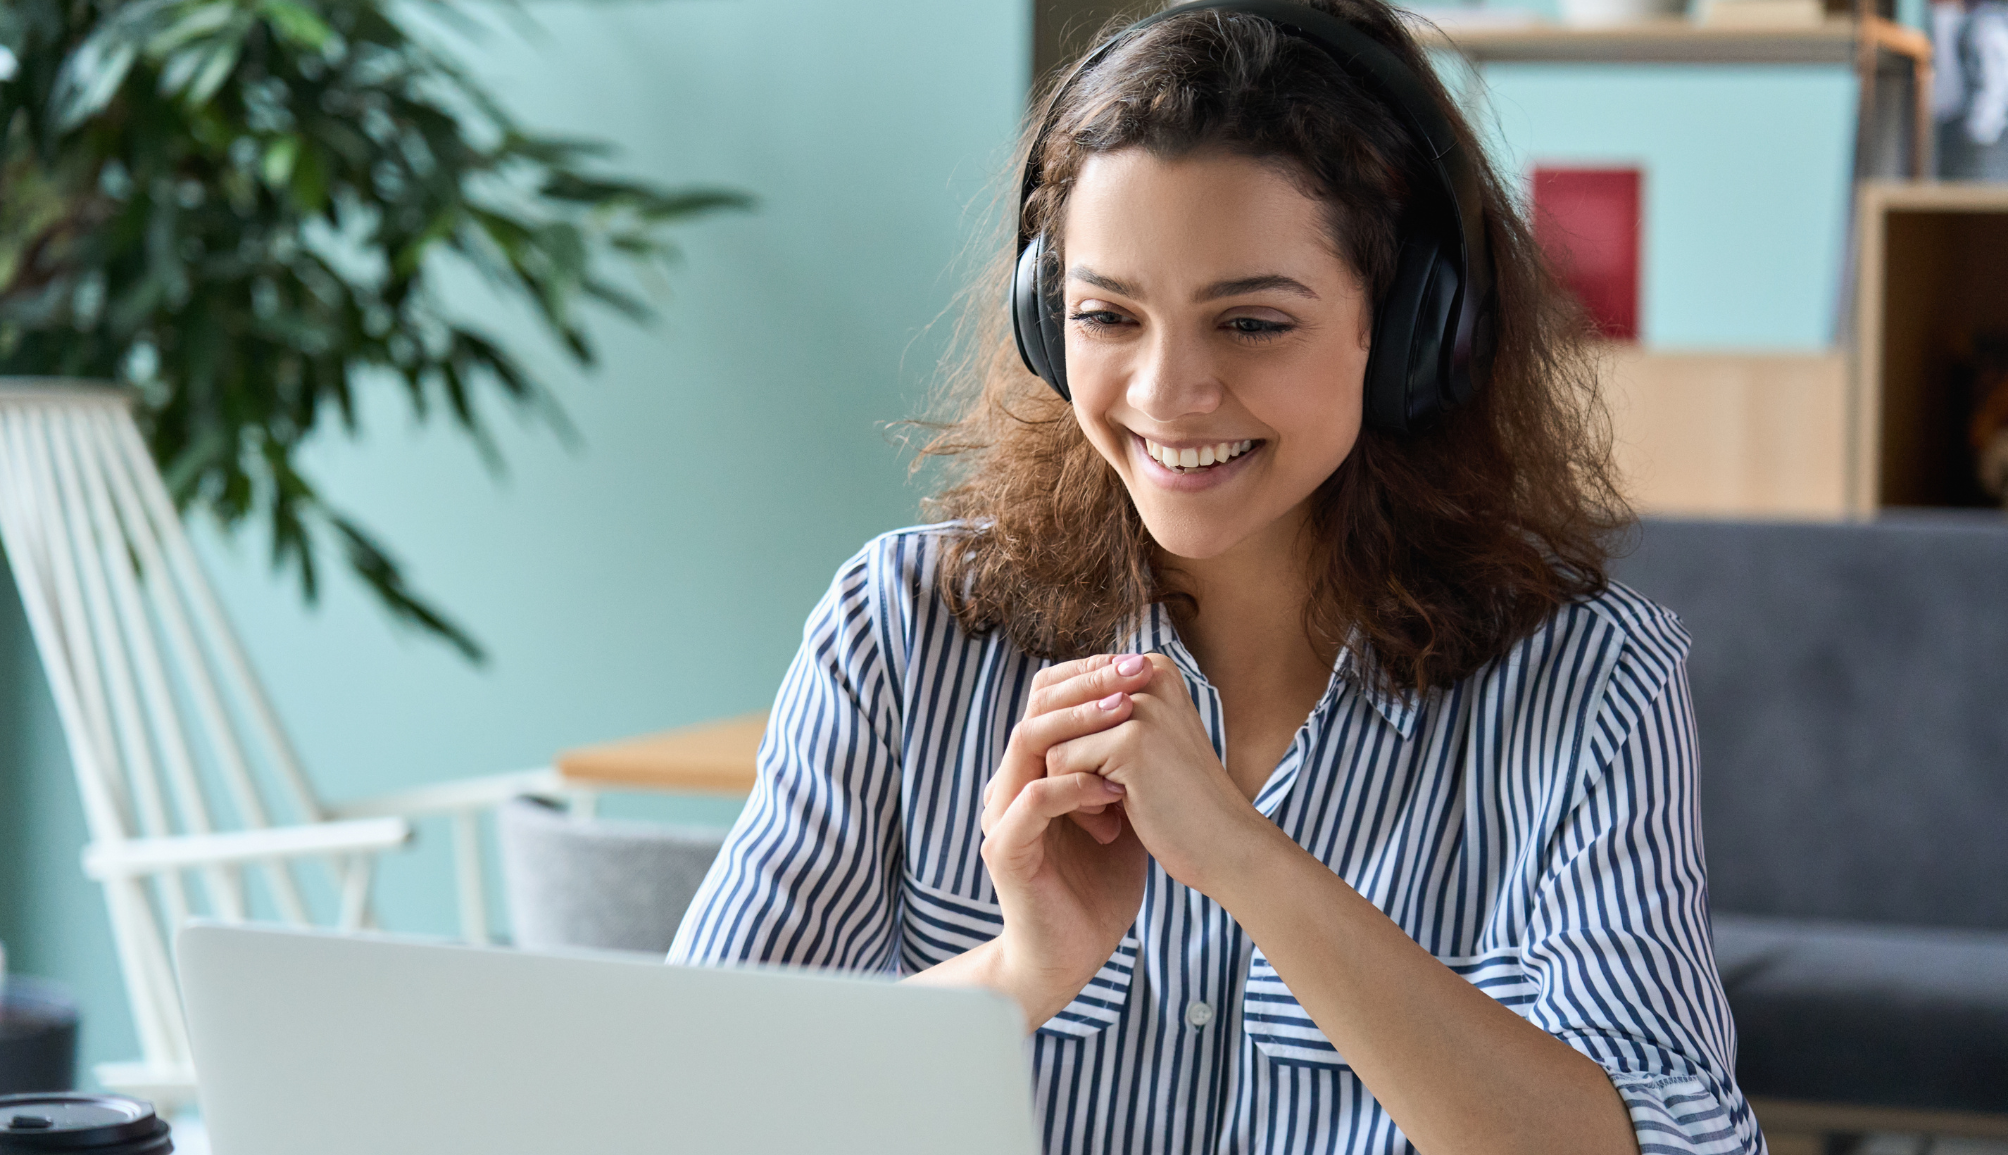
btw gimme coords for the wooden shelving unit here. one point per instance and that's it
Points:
(1748, 434)
(1720, 434)
(1679, 41)
(1932, 261)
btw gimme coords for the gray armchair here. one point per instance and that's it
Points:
(599, 883)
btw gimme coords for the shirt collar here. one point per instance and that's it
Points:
(1156, 633)
(1398, 705)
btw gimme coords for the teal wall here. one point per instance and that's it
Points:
(1745, 185)
(734, 456)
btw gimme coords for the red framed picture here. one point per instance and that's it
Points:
(1587, 221)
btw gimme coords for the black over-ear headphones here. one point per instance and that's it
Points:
(1433, 329)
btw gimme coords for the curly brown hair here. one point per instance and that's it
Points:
(1440, 548)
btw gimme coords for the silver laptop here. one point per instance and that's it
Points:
(322, 1044)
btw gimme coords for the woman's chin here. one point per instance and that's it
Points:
(1194, 538)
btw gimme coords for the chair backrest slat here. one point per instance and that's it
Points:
(47, 541)
(32, 562)
(100, 561)
(199, 665)
(161, 701)
(228, 654)
(115, 511)
(39, 551)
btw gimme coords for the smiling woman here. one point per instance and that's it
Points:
(1503, 508)
(1308, 454)
(1187, 351)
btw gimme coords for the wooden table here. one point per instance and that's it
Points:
(708, 758)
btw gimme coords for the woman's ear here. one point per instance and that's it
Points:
(1368, 310)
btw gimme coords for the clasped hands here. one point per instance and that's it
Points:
(1113, 746)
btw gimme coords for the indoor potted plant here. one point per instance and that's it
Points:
(239, 208)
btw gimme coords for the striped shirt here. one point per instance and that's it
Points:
(1534, 827)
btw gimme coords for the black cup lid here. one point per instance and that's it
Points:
(59, 1121)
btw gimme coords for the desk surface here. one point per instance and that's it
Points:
(708, 758)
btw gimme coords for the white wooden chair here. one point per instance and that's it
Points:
(194, 799)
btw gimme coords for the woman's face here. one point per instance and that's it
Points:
(1208, 316)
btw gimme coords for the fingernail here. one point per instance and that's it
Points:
(1111, 702)
(1114, 787)
(1130, 667)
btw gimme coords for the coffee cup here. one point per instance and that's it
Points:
(79, 1124)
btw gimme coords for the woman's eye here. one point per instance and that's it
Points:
(1097, 318)
(1258, 328)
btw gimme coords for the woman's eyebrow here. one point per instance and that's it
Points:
(1084, 273)
(1213, 292)
(1242, 285)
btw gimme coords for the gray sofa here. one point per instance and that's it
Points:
(1851, 697)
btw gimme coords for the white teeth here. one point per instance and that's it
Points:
(1193, 459)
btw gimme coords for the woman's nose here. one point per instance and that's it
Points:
(1175, 377)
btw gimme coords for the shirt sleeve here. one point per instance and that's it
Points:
(1620, 944)
(808, 874)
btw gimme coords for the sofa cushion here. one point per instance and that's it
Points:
(1850, 709)
(1873, 1014)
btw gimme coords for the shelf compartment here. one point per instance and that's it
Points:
(1933, 256)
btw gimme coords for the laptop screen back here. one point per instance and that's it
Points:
(320, 1044)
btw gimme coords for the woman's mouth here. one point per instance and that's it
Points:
(1197, 459)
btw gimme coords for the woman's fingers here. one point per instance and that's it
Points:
(1025, 762)
(1084, 680)
(1086, 754)
(1015, 844)
(1039, 735)
(1067, 700)
(1104, 824)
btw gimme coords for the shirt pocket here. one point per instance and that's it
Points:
(941, 924)
(1498, 973)
(1100, 1004)
(1282, 1030)
(1279, 1025)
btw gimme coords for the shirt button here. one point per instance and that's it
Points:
(1198, 1014)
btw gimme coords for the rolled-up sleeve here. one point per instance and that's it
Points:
(1619, 941)
(808, 874)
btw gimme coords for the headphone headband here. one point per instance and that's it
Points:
(1454, 278)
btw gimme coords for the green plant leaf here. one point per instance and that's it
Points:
(276, 166)
(383, 576)
(215, 70)
(88, 80)
(196, 22)
(297, 23)
(310, 180)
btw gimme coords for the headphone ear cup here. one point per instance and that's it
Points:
(1035, 318)
(1408, 365)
